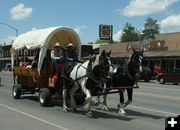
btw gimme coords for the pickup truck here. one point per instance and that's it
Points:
(170, 77)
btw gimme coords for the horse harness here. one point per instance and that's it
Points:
(89, 74)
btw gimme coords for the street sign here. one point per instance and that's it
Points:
(105, 32)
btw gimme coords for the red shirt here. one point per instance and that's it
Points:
(155, 69)
(159, 70)
(26, 64)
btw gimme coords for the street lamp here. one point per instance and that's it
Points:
(11, 27)
(12, 54)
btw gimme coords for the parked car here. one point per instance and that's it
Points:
(146, 75)
(170, 77)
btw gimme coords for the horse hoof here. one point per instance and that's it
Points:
(86, 109)
(96, 103)
(89, 114)
(65, 109)
(122, 114)
(105, 108)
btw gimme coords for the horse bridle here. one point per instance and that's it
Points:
(104, 71)
(136, 64)
(99, 81)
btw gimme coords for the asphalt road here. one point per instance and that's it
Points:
(152, 102)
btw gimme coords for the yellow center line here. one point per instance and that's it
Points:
(157, 95)
(138, 93)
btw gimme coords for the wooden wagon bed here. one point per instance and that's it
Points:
(29, 77)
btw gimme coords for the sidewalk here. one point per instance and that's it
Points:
(3, 71)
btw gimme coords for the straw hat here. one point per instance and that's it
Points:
(70, 45)
(57, 44)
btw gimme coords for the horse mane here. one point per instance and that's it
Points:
(93, 67)
(96, 62)
(125, 70)
(93, 61)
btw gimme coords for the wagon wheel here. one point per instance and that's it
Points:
(161, 81)
(16, 91)
(44, 97)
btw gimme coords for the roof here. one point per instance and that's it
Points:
(95, 46)
(6, 46)
(167, 33)
(5, 58)
(150, 54)
(120, 55)
(162, 54)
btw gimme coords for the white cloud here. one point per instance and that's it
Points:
(170, 24)
(117, 36)
(145, 7)
(79, 30)
(19, 12)
(8, 40)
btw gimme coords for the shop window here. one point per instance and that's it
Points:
(177, 63)
(167, 65)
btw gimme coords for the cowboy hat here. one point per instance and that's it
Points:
(57, 44)
(70, 44)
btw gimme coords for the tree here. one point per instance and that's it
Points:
(151, 27)
(90, 42)
(130, 34)
(102, 41)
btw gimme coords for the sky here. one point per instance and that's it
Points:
(85, 16)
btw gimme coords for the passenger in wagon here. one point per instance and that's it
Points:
(34, 63)
(71, 54)
(57, 56)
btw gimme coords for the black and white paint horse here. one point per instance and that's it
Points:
(87, 76)
(124, 77)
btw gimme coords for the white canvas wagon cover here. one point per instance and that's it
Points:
(45, 39)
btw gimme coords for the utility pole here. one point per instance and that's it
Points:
(11, 27)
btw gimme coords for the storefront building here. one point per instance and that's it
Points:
(164, 50)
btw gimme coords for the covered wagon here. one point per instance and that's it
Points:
(41, 79)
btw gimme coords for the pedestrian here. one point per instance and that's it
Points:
(155, 71)
(159, 70)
